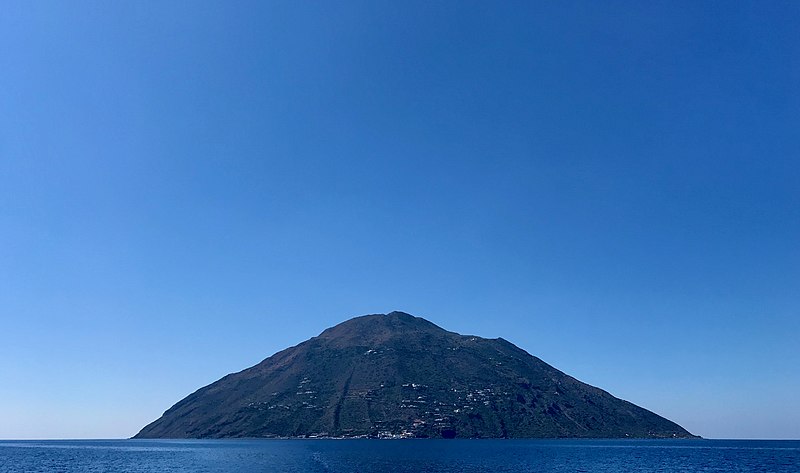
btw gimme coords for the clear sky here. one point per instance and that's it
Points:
(188, 187)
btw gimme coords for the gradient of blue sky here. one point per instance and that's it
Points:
(188, 187)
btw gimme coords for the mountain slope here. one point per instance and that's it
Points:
(398, 375)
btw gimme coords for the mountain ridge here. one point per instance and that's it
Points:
(396, 375)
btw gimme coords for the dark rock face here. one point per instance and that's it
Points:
(396, 375)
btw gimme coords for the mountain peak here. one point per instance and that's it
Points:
(399, 313)
(379, 328)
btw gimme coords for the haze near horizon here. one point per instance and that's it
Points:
(187, 189)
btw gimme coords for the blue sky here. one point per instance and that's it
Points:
(186, 188)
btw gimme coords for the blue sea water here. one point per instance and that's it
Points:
(244, 456)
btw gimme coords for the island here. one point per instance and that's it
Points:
(399, 376)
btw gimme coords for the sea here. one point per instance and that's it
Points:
(385, 456)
